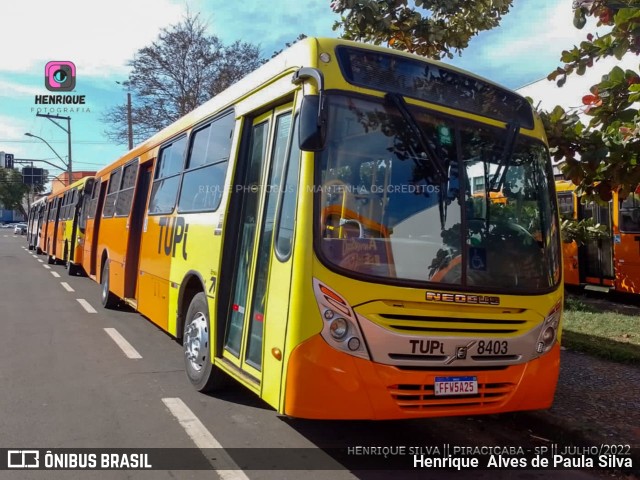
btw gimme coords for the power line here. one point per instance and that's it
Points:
(83, 142)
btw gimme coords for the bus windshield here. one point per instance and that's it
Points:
(384, 211)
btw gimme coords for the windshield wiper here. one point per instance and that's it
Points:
(442, 177)
(501, 173)
(398, 101)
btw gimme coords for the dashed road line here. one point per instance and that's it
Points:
(41, 261)
(55, 274)
(125, 346)
(34, 256)
(86, 305)
(67, 287)
(47, 267)
(199, 434)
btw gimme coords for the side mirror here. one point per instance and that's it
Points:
(312, 129)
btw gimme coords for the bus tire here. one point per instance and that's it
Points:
(72, 268)
(196, 345)
(109, 300)
(51, 260)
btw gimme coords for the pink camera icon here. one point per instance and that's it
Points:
(60, 76)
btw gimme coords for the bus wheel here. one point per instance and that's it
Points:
(196, 344)
(109, 300)
(72, 269)
(50, 260)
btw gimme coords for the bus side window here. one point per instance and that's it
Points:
(565, 204)
(203, 180)
(91, 211)
(167, 177)
(630, 213)
(110, 201)
(125, 195)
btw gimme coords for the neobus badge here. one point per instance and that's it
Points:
(461, 298)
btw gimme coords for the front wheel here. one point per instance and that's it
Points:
(196, 342)
(109, 300)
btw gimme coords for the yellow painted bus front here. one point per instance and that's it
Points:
(340, 279)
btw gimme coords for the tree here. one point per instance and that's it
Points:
(433, 28)
(178, 72)
(601, 156)
(12, 190)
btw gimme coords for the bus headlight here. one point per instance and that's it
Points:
(549, 330)
(340, 329)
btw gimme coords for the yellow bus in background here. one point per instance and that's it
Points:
(71, 241)
(312, 232)
(54, 228)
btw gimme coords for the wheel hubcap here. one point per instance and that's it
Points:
(196, 342)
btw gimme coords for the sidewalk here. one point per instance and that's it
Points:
(597, 400)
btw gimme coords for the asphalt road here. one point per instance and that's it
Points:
(66, 383)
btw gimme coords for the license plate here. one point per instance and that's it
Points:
(456, 386)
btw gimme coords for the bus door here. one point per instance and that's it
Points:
(256, 317)
(97, 218)
(135, 226)
(596, 256)
(627, 244)
(55, 225)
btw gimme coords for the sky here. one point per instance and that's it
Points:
(101, 37)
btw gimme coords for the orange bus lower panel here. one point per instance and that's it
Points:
(609, 282)
(323, 383)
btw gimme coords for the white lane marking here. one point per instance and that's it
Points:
(41, 261)
(125, 346)
(199, 434)
(47, 267)
(86, 305)
(67, 287)
(34, 256)
(55, 274)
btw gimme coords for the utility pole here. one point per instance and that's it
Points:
(129, 121)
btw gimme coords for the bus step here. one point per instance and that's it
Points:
(597, 288)
(132, 302)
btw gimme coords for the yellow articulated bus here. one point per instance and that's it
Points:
(316, 232)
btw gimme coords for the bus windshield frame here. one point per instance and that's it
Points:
(504, 242)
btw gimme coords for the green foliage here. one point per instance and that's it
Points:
(12, 190)
(179, 71)
(431, 28)
(601, 156)
(582, 231)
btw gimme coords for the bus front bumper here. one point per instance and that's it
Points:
(323, 383)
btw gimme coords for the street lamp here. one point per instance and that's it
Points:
(68, 132)
(67, 165)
